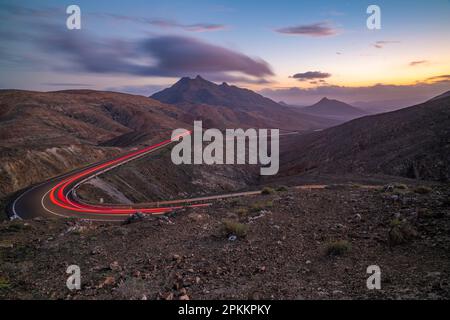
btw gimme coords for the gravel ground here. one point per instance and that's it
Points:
(294, 244)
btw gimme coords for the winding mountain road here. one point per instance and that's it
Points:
(56, 197)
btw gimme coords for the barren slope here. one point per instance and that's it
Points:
(413, 142)
(46, 133)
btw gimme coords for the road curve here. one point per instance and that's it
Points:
(55, 197)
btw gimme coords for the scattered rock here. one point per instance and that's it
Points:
(114, 266)
(177, 258)
(137, 274)
(196, 217)
(135, 217)
(6, 245)
(109, 281)
(167, 296)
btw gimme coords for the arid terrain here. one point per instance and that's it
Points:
(45, 134)
(238, 153)
(293, 244)
(372, 191)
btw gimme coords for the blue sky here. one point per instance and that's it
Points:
(142, 46)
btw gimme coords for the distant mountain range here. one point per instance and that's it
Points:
(334, 109)
(46, 133)
(229, 106)
(413, 142)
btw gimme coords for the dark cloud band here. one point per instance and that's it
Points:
(320, 29)
(311, 75)
(166, 56)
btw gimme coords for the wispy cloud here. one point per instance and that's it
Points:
(418, 62)
(14, 10)
(319, 29)
(440, 78)
(382, 43)
(165, 23)
(311, 75)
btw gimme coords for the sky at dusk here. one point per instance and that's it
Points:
(294, 51)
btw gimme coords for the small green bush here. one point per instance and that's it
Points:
(4, 284)
(236, 228)
(396, 236)
(282, 189)
(401, 232)
(338, 247)
(267, 191)
(395, 222)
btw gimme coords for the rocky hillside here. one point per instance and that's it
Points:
(413, 142)
(47, 133)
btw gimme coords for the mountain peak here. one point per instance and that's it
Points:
(186, 82)
(201, 91)
(334, 109)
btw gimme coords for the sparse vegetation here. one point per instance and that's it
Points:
(267, 191)
(268, 204)
(401, 232)
(396, 236)
(395, 222)
(422, 189)
(6, 244)
(261, 205)
(4, 284)
(234, 227)
(400, 186)
(242, 212)
(338, 247)
(16, 226)
(282, 189)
